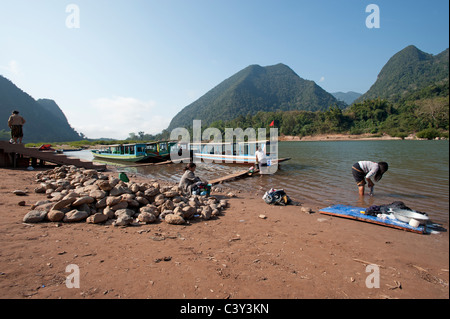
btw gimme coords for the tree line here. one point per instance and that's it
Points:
(424, 113)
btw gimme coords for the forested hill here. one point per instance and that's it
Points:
(45, 122)
(255, 89)
(407, 71)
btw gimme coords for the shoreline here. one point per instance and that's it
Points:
(289, 254)
(290, 138)
(342, 137)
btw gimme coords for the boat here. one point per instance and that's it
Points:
(123, 152)
(160, 150)
(136, 152)
(229, 153)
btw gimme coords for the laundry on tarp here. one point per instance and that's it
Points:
(394, 215)
(375, 210)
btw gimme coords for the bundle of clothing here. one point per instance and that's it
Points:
(200, 188)
(276, 197)
(374, 210)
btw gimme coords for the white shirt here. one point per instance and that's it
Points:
(260, 157)
(368, 167)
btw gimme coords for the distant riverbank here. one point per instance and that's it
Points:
(342, 137)
(283, 138)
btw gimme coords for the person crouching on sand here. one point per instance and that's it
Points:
(365, 170)
(188, 180)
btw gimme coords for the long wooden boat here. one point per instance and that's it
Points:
(160, 150)
(230, 153)
(136, 152)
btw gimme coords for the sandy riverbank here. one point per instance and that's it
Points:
(287, 255)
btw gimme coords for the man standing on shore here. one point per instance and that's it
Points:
(15, 123)
(260, 158)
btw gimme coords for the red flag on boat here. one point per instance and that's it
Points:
(272, 124)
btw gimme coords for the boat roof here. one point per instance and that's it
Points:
(225, 143)
(129, 144)
(157, 142)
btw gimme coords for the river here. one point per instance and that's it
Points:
(319, 172)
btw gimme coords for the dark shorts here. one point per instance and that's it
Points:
(16, 131)
(358, 175)
(258, 165)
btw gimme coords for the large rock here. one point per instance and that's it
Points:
(40, 189)
(19, 192)
(174, 219)
(87, 209)
(101, 203)
(123, 220)
(128, 197)
(119, 190)
(163, 214)
(83, 200)
(119, 206)
(104, 185)
(134, 188)
(108, 212)
(97, 218)
(42, 205)
(206, 212)
(121, 212)
(146, 218)
(142, 200)
(152, 191)
(149, 209)
(113, 200)
(170, 194)
(89, 188)
(75, 216)
(133, 203)
(97, 194)
(159, 202)
(71, 195)
(90, 172)
(35, 216)
(216, 212)
(188, 212)
(168, 204)
(55, 215)
(63, 203)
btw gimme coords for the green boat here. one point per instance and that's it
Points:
(136, 152)
(160, 150)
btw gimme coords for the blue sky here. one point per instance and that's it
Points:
(132, 65)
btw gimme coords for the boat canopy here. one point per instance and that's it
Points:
(126, 149)
(228, 148)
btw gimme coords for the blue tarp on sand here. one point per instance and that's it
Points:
(353, 212)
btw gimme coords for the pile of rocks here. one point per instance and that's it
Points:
(77, 194)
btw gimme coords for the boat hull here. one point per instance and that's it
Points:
(233, 159)
(125, 158)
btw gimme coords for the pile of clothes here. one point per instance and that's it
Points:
(276, 197)
(201, 188)
(375, 210)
